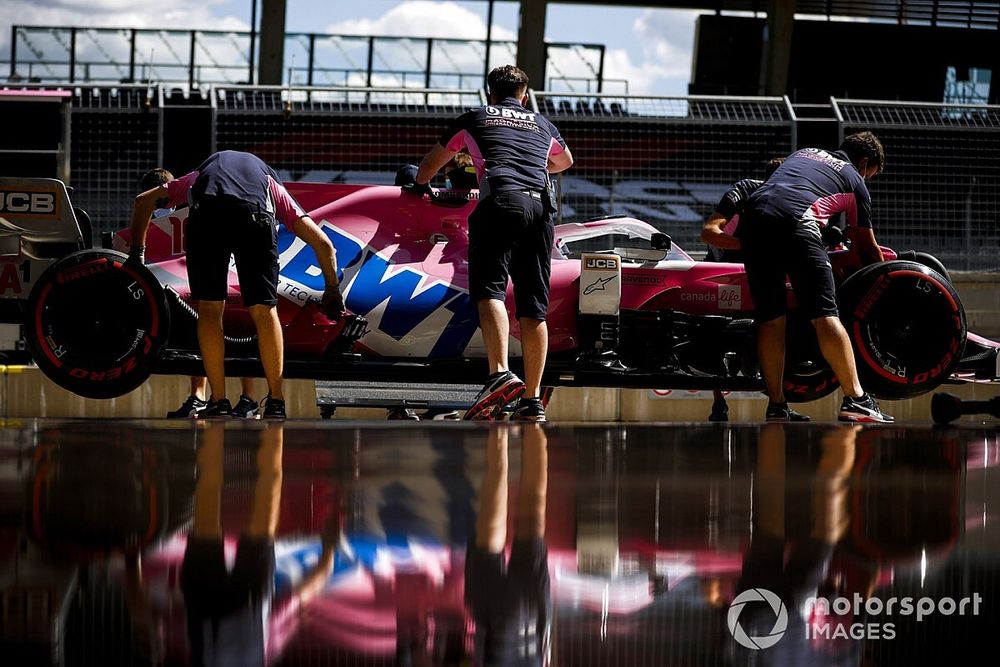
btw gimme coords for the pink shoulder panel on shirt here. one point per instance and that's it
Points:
(458, 141)
(555, 148)
(286, 209)
(177, 189)
(824, 207)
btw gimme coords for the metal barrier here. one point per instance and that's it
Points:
(666, 160)
(347, 135)
(940, 191)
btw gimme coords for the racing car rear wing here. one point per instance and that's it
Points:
(35, 211)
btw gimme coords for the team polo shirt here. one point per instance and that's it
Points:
(240, 175)
(811, 186)
(510, 145)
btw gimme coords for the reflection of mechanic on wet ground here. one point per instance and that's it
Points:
(236, 200)
(510, 600)
(510, 231)
(230, 613)
(801, 512)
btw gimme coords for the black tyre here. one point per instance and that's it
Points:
(907, 325)
(925, 258)
(96, 327)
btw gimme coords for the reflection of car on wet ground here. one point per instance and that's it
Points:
(628, 308)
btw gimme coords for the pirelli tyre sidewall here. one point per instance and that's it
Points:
(907, 326)
(95, 326)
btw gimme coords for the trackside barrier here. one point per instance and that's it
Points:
(666, 160)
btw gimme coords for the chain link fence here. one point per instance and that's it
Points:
(940, 191)
(115, 137)
(665, 160)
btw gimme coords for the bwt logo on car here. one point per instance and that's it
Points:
(31, 203)
(405, 297)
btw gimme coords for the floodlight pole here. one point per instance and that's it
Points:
(253, 40)
(489, 39)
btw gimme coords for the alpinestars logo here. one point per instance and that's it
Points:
(780, 620)
(598, 285)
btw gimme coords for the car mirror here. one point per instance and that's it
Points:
(660, 241)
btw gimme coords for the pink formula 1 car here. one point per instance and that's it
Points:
(628, 308)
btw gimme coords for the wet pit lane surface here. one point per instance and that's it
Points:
(306, 543)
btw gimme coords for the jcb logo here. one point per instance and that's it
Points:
(607, 264)
(30, 203)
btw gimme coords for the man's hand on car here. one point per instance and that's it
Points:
(417, 189)
(333, 301)
(136, 256)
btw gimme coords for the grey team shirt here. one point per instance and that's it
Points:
(811, 186)
(510, 145)
(243, 176)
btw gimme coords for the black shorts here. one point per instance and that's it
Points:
(222, 227)
(511, 235)
(773, 249)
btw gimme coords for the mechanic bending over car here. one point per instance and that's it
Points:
(196, 401)
(719, 233)
(780, 235)
(235, 200)
(510, 232)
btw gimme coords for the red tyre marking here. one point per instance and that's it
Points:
(930, 279)
(868, 358)
(39, 333)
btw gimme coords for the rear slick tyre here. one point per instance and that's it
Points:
(96, 327)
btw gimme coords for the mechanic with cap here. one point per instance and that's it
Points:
(235, 200)
(780, 234)
(510, 232)
(719, 233)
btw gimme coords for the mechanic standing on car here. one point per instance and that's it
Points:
(780, 235)
(235, 200)
(510, 232)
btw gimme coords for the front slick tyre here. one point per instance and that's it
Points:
(95, 326)
(907, 326)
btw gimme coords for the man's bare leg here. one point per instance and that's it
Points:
(199, 385)
(771, 353)
(271, 343)
(835, 345)
(534, 347)
(496, 332)
(213, 346)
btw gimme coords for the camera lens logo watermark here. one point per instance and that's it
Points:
(780, 619)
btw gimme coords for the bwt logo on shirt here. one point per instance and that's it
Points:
(504, 112)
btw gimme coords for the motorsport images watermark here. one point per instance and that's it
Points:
(836, 618)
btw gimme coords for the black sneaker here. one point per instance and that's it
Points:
(190, 409)
(529, 410)
(401, 414)
(219, 408)
(720, 411)
(245, 408)
(274, 408)
(500, 389)
(863, 410)
(780, 412)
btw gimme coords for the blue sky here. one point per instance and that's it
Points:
(651, 49)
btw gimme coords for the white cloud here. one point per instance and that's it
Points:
(664, 67)
(423, 18)
(184, 14)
